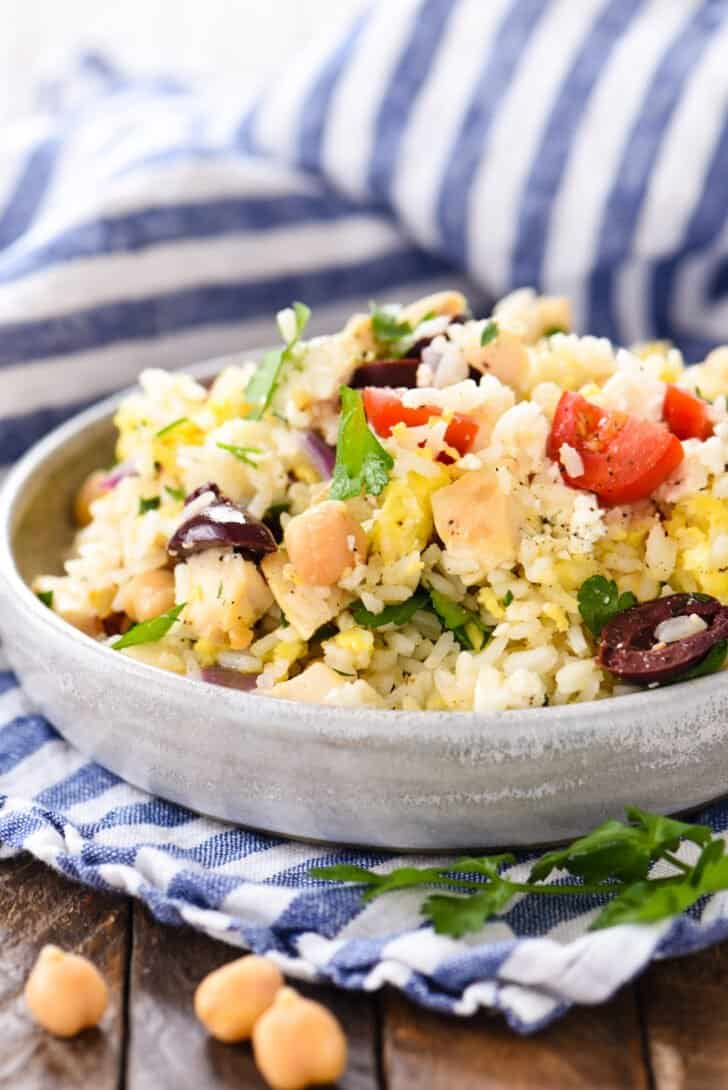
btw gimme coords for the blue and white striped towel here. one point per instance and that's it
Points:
(577, 147)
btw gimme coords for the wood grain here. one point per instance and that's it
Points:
(169, 1049)
(684, 1005)
(590, 1049)
(36, 907)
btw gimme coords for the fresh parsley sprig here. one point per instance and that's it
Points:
(600, 600)
(389, 330)
(614, 861)
(362, 463)
(264, 381)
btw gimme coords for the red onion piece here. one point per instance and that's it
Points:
(395, 373)
(319, 453)
(118, 473)
(230, 679)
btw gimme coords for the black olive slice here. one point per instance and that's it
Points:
(221, 524)
(629, 650)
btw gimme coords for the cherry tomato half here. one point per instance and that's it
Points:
(625, 458)
(686, 416)
(384, 409)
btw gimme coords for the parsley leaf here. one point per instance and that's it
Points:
(46, 597)
(553, 329)
(362, 463)
(242, 453)
(388, 329)
(170, 427)
(490, 332)
(712, 662)
(398, 614)
(148, 504)
(466, 626)
(507, 599)
(613, 861)
(149, 631)
(599, 601)
(264, 380)
(175, 493)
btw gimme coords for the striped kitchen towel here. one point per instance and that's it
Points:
(580, 148)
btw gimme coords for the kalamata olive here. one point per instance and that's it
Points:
(396, 373)
(221, 524)
(230, 679)
(209, 487)
(630, 650)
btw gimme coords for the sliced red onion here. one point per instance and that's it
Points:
(395, 373)
(118, 473)
(219, 525)
(230, 679)
(321, 455)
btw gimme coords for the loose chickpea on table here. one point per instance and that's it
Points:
(65, 993)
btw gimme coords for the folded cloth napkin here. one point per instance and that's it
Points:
(579, 148)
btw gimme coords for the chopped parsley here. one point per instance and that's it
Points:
(175, 493)
(241, 453)
(362, 463)
(712, 662)
(388, 329)
(149, 631)
(46, 597)
(150, 503)
(264, 381)
(553, 330)
(397, 614)
(490, 332)
(507, 599)
(614, 862)
(600, 600)
(170, 427)
(466, 626)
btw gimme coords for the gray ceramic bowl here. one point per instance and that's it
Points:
(413, 780)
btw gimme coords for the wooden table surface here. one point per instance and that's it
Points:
(668, 1032)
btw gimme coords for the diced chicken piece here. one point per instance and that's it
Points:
(312, 686)
(506, 357)
(225, 596)
(305, 607)
(476, 519)
(531, 316)
(323, 542)
(449, 304)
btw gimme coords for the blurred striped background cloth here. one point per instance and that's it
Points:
(579, 148)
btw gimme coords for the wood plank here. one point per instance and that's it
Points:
(590, 1049)
(38, 906)
(685, 1013)
(168, 1048)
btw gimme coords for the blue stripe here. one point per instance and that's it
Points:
(21, 737)
(84, 784)
(718, 282)
(632, 176)
(706, 223)
(209, 304)
(559, 134)
(17, 433)
(315, 105)
(409, 75)
(158, 224)
(29, 191)
(470, 144)
(7, 681)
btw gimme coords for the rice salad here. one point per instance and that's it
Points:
(424, 511)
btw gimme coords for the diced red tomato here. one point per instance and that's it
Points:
(686, 416)
(384, 409)
(625, 458)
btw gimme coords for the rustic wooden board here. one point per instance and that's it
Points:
(590, 1049)
(169, 1049)
(36, 907)
(685, 1010)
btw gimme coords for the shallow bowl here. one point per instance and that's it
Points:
(401, 780)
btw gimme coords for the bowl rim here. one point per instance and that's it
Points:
(576, 719)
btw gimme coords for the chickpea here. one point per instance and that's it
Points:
(298, 1043)
(84, 622)
(91, 489)
(323, 542)
(230, 1000)
(65, 993)
(147, 595)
